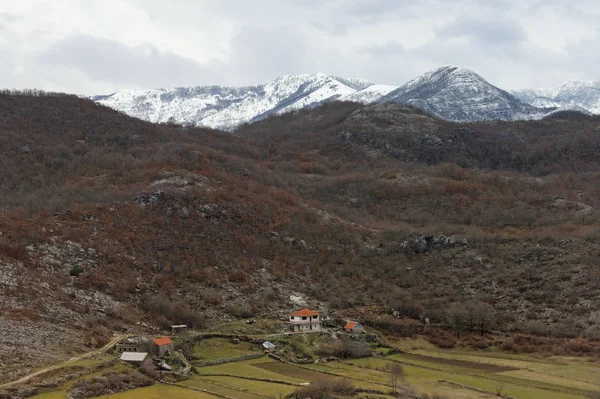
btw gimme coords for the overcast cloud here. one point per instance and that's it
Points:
(101, 46)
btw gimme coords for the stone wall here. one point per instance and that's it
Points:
(230, 359)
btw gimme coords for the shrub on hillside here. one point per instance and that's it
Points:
(345, 348)
(440, 338)
(162, 308)
(109, 383)
(324, 389)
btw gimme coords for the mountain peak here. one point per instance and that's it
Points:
(459, 94)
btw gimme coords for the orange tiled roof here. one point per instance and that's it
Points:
(163, 341)
(304, 313)
(350, 325)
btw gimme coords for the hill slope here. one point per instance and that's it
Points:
(108, 220)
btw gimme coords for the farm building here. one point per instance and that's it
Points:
(134, 357)
(305, 320)
(133, 344)
(162, 346)
(268, 345)
(179, 329)
(354, 327)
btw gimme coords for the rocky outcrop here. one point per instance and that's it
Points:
(420, 244)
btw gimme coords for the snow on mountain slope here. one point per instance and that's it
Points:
(580, 93)
(449, 92)
(572, 108)
(459, 94)
(228, 107)
(370, 94)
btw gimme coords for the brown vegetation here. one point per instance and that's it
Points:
(474, 227)
(325, 389)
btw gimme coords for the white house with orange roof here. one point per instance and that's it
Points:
(305, 320)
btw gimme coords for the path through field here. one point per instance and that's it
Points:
(28, 377)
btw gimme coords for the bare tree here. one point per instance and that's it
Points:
(396, 375)
(458, 319)
(484, 316)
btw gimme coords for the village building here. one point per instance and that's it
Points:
(269, 346)
(134, 357)
(162, 346)
(179, 329)
(133, 344)
(305, 320)
(354, 327)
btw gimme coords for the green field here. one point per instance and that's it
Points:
(453, 373)
(222, 348)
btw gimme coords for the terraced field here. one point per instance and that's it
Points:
(453, 373)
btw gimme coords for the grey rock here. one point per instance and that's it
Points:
(289, 240)
(184, 213)
(149, 200)
(24, 150)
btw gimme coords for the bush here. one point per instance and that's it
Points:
(109, 383)
(167, 312)
(325, 389)
(76, 270)
(345, 348)
(440, 338)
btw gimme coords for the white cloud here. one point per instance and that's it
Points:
(99, 46)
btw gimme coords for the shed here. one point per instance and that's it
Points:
(178, 328)
(354, 327)
(268, 345)
(134, 357)
(163, 346)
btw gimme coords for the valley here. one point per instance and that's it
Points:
(426, 371)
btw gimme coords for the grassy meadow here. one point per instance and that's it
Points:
(452, 373)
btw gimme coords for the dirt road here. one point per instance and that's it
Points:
(28, 377)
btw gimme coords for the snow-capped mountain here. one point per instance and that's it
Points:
(370, 94)
(583, 94)
(228, 107)
(459, 94)
(450, 92)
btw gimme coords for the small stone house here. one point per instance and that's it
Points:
(354, 327)
(162, 346)
(133, 344)
(305, 320)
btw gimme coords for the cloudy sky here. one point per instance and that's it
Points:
(101, 46)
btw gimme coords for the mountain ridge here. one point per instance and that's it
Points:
(581, 93)
(449, 92)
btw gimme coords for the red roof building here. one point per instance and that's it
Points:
(163, 346)
(305, 313)
(305, 320)
(350, 325)
(354, 327)
(162, 341)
